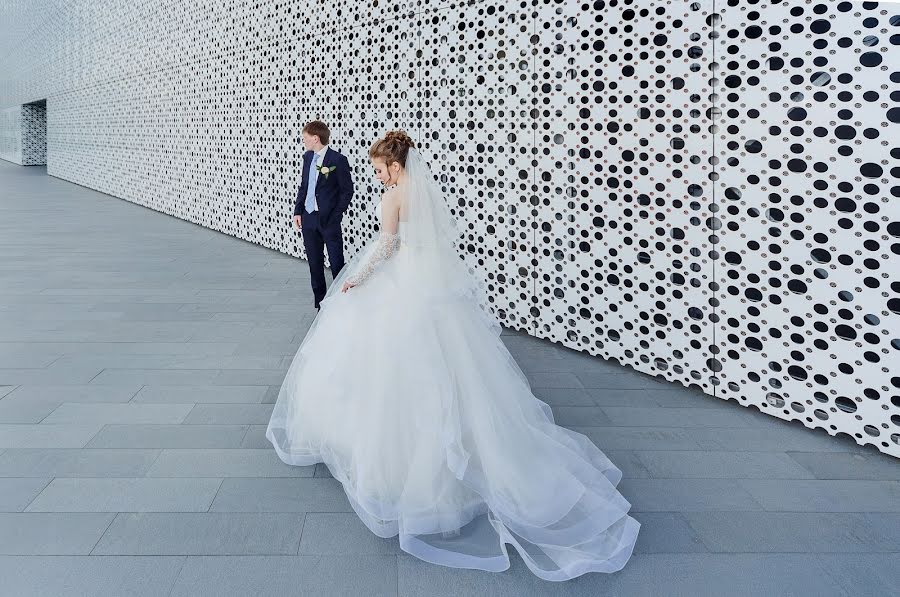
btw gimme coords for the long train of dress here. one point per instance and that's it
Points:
(422, 414)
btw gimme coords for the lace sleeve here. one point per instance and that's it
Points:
(387, 245)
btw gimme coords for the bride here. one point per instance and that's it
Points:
(403, 388)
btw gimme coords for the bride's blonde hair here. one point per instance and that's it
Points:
(393, 148)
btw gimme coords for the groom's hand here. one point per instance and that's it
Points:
(297, 222)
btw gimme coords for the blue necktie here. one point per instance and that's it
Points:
(311, 185)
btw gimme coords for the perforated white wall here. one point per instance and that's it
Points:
(808, 213)
(11, 134)
(704, 191)
(23, 135)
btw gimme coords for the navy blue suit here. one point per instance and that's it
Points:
(322, 229)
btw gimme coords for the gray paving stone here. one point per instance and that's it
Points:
(678, 417)
(76, 463)
(128, 308)
(256, 438)
(639, 438)
(533, 355)
(172, 377)
(302, 330)
(47, 436)
(126, 495)
(271, 396)
(250, 377)
(687, 495)
(249, 296)
(721, 465)
(217, 332)
(564, 396)
(16, 494)
(149, 331)
(825, 495)
(553, 379)
(179, 316)
(24, 361)
(581, 362)
(623, 397)
(51, 533)
(124, 361)
(14, 409)
(876, 467)
(230, 414)
(281, 495)
(887, 523)
(229, 362)
(130, 413)
(267, 347)
(224, 463)
(202, 534)
(69, 393)
(322, 471)
(586, 416)
(681, 397)
(245, 316)
(95, 291)
(724, 574)
(114, 348)
(628, 462)
(786, 532)
(273, 331)
(536, 361)
(666, 532)
(863, 574)
(76, 376)
(778, 436)
(309, 576)
(169, 436)
(202, 394)
(621, 379)
(220, 306)
(342, 533)
(88, 576)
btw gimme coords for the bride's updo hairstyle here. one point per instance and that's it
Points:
(393, 148)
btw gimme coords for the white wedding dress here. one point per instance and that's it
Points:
(405, 390)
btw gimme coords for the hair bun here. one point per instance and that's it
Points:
(399, 137)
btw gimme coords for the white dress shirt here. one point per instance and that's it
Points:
(317, 159)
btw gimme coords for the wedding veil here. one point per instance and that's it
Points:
(432, 235)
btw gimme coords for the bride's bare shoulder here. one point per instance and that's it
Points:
(391, 196)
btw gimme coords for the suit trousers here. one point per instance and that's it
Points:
(316, 239)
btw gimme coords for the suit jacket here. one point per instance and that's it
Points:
(333, 192)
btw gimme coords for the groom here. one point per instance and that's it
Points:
(324, 195)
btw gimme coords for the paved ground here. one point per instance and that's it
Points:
(140, 355)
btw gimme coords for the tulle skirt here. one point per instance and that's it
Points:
(418, 409)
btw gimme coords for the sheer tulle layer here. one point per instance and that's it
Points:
(424, 417)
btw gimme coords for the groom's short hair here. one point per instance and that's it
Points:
(318, 128)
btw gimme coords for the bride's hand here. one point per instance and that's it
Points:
(347, 286)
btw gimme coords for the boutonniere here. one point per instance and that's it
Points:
(326, 170)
